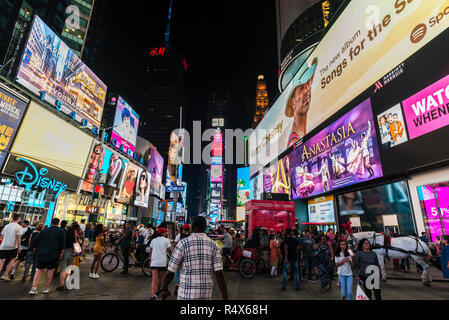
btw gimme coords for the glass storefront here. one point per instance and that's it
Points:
(30, 204)
(381, 208)
(434, 201)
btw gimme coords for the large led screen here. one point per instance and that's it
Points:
(243, 186)
(50, 141)
(347, 61)
(344, 153)
(49, 65)
(129, 184)
(12, 109)
(142, 188)
(156, 166)
(126, 124)
(109, 165)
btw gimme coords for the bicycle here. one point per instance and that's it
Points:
(112, 260)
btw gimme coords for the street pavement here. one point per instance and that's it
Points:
(136, 286)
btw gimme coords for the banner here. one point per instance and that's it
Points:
(12, 109)
(344, 153)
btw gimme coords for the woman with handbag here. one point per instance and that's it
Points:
(72, 248)
(98, 251)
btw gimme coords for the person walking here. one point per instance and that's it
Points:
(275, 254)
(309, 246)
(31, 255)
(198, 258)
(325, 266)
(227, 245)
(127, 238)
(291, 248)
(159, 249)
(364, 258)
(10, 246)
(444, 256)
(186, 228)
(27, 230)
(50, 246)
(343, 261)
(65, 265)
(99, 248)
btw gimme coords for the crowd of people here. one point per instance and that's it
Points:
(192, 259)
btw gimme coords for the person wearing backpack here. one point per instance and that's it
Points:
(31, 256)
(24, 240)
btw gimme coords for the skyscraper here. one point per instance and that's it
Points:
(261, 100)
(16, 17)
(164, 95)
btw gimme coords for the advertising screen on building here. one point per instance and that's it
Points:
(12, 109)
(321, 209)
(111, 168)
(129, 184)
(51, 142)
(428, 110)
(49, 65)
(348, 60)
(126, 125)
(142, 188)
(217, 145)
(216, 173)
(243, 186)
(344, 153)
(156, 166)
(256, 187)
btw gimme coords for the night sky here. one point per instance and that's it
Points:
(226, 45)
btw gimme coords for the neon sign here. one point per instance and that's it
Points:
(157, 52)
(31, 177)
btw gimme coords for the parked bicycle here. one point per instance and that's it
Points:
(111, 261)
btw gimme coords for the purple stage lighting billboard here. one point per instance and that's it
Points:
(344, 153)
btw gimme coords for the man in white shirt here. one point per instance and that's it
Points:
(10, 246)
(160, 249)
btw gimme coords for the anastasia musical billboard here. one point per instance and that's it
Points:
(343, 154)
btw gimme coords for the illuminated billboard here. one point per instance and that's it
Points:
(175, 156)
(50, 69)
(156, 166)
(347, 61)
(142, 188)
(126, 124)
(129, 184)
(428, 110)
(344, 153)
(216, 173)
(12, 109)
(111, 168)
(321, 209)
(243, 186)
(50, 141)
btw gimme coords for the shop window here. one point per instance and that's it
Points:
(382, 208)
(434, 201)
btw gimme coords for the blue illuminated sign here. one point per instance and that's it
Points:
(31, 177)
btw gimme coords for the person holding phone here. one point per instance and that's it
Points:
(343, 261)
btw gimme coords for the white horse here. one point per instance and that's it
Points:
(400, 248)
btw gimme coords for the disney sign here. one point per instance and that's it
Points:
(31, 177)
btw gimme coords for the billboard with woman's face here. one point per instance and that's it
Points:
(129, 184)
(108, 165)
(142, 188)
